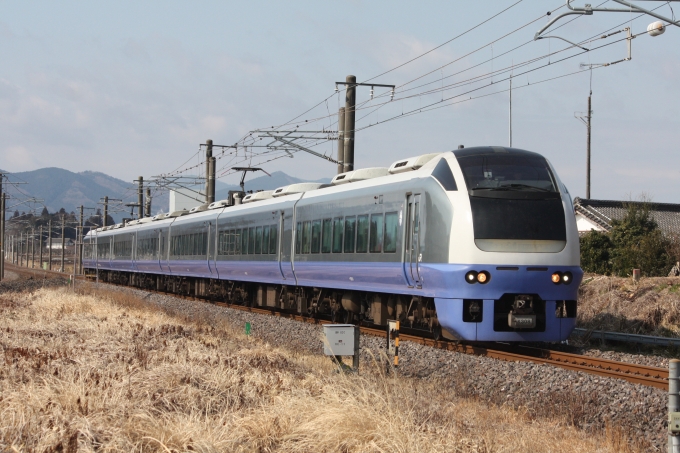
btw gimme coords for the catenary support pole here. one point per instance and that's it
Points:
(673, 402)
(63, 243)
(2, 233)
(140, 197)
(350, 106)
(106, 210)
(49, 245)
(21, 249)
(208, 155)
(211, 180)
(510, 114)
(341, 140)
(32, 248)
(590, 111)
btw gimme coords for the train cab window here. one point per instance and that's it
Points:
(326, 236)
(316, 236)
(306, 236)
(258, 240)
(350, 231)
(391, 229)
(362, 234)
(265, 239)
(442, 173)
(251, 240)
(244, 241)
(337, 235)
(273, 239)
(376, 244)
(298, 238)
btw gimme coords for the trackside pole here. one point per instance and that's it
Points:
(674, 406)
(393, 334)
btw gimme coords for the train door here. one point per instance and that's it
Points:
(412, 241)
(211, 255)
(279, 250)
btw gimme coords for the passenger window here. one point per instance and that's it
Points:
(258, 240)
(316, 236)
(251, 240)
(273, 239)
(337, 235)
(326, 236)
(265, 240)
(244, 242)
(298, 238)
(391, 229)
(362, 234)
(350, 230)
(306, 236)
(237, 242)
(376, 233)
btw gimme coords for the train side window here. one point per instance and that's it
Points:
(244, 241)
(362, 234)
(326, 236)
(337, 235)
(391, 231)
(316, 236)
(306, 236)
(273, 239)
(298, 238)
(350, 230)
(251, 240)
(258, 240)
(237, 241)
(265, 239)
(222, 243)
(376, 233)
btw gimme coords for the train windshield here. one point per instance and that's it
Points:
(507, 172)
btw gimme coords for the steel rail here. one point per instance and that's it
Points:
(637, 374)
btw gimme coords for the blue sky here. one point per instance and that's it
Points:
(132, 88)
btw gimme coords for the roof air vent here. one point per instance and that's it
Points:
(412, 163)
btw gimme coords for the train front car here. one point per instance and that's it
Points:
(513, 251)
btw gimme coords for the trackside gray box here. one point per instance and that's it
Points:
(340, 339)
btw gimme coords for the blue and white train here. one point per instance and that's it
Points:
(477, 244)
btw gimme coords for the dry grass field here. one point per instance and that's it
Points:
(650, 306)
(108, 372)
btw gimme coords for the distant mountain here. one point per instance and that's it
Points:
(276, 180)
(59, 188)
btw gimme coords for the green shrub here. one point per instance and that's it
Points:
(595, 253)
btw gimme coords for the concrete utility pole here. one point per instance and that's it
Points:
(147, 204)
(106, 210)
(140, 197)
(49, 245)
(32, 248)
(341, 140)
(63, 242)
(209, 173)
(348, 136)
(589, 117)
(2, 233)
(41, 247)
(21, 250)
(79, 244)
(510, 116)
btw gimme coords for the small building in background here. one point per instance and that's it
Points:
(598, 214)
(56, 243)
(186, 198)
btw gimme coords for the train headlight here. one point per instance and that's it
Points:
(471, 277)
(566, 278)
(557, 278)
(483, 277)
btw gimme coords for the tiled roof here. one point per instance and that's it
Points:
(601, 212)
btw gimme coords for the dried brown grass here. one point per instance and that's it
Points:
(108, 372)
(650, 306)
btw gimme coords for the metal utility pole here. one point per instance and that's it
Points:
(63, 243)
(147, 205)
(21, 250)
(106, 210)
(341, 140)
(49, 245)
(41, 247)
(209, 172)
(350, 111)
(32, 248)
(510, 116)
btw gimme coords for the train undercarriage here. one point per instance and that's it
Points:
(350, 307)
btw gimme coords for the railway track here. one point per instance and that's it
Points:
(638, 374)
